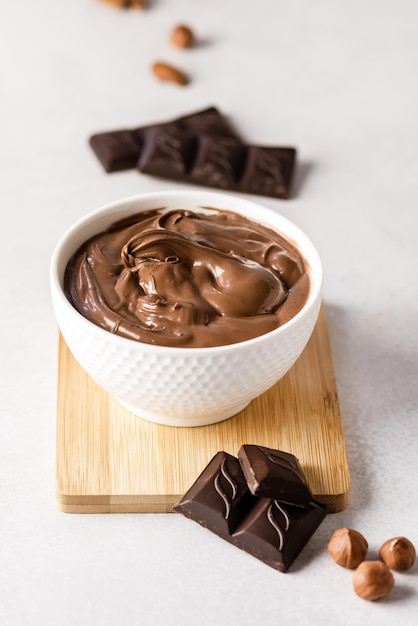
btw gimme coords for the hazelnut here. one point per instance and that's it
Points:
(182, 36)
(398, 554)
(372, 580)
(348, 547)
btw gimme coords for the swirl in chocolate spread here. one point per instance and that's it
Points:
(187, 279)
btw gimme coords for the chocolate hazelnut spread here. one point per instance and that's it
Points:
(187, 279)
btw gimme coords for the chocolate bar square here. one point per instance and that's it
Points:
(219, 498)
(116, 150)
(268, 171)
(218, 162)
(276, 533)
(167, 152)
(274, 474)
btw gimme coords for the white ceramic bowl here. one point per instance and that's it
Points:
(183, 386)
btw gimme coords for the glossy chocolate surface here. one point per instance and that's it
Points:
(274, 474)
(272, 531)
(276, 532)
(220, 498)
(187, 279)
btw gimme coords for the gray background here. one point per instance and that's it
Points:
(339, 81)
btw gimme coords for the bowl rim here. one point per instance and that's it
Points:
(209, 201)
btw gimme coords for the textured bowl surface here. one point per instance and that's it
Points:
(183, 386)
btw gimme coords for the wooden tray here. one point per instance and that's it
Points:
(109, 461)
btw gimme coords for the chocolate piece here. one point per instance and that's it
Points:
(275, 532)
(117, 150)
(268, 171)
(274, 474)
(200, 148)
(167, 152)
(271, 531)
(220, 498)
(121, 149)
(218, 162)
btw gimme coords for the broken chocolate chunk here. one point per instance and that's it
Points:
(275, 532)
(274, 474)
(117, 150)
(272, 531)
(220, 498)
(268, 171)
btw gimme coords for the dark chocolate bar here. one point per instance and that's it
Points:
(201, 149)
(274, 474)
(273, 532)
(215, 161)
(120, 149)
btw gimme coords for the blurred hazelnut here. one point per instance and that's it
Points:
(372, 580)
(398, 554)
(348, 547)
(182, 36)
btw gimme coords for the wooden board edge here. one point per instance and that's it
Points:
(335, 503)
(116, 504)
(158, 504)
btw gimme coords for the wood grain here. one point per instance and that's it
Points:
(109, 461)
